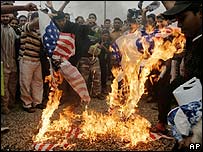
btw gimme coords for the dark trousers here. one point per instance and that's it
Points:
(165, 95)
(104, 72)
(164, 98)
(45, 72)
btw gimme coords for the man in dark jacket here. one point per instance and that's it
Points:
(84, 40)
(189, 17)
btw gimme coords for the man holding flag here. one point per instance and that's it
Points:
(60, 47)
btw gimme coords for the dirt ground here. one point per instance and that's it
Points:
(23, 127)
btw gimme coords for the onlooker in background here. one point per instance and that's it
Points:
(80, 20)
(10, 9)
(22, 20)
(133, 16)
(104, 58)
(14, 13)
(115, 34)
(8, 56)
(117, 31)
(7, 2)
(95, 32)
(67, 16)
(134, 21)
(15, 24)
(107, 25)
(31, 82)
(161, 22)
(151, 20)
(29, 16)
(89, 64)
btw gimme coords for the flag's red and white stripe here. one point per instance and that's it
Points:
(65, 47)
(157, 136)
(44, 147)
(75, 79)
(74, 132)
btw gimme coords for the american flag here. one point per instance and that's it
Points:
(61, 46)
(116, 52)
(58, 44)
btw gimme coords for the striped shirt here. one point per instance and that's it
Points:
(8, 54)
(30, 44)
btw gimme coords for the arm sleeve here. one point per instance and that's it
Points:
(78, 30)
(26, 27)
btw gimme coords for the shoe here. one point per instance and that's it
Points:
(40, 106)
(160, 128)
(29, 110)
(5, 110)
(4, 129)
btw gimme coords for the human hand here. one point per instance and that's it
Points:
(49, 4)
(31, 7)
(94, 49)
(140, 4)
(156, 79)
(144, 10)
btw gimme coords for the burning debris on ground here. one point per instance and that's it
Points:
(20, 134)
(121, 125)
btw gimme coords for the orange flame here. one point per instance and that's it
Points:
(52, 104)
(166, 45)
(127, 89)
(132, 130)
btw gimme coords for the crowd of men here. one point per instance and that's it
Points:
(25, 63)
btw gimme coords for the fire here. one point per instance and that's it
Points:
(132, 130)
(123, 120)
(136, 66)
(128, 87)
(52, 104)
